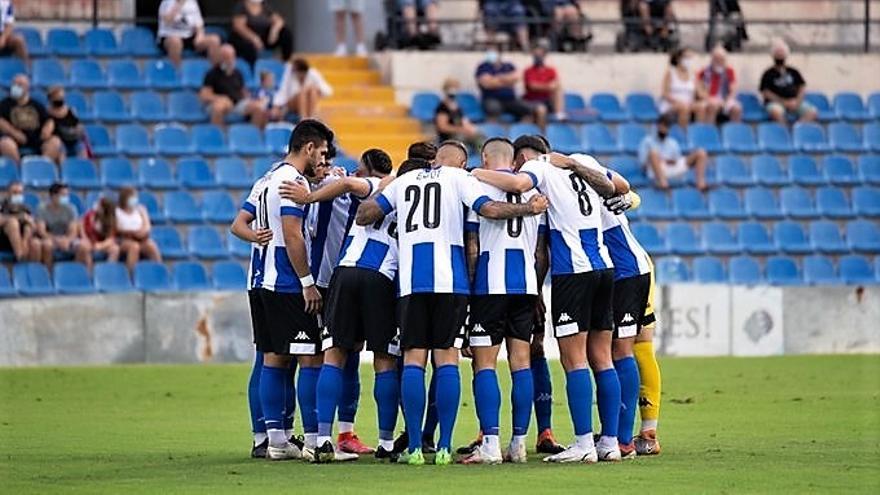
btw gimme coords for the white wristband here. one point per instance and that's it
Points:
(307, 281)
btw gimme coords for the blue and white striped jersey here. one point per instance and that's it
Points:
(373, 247)
(507, 248)
(629, 257)
(430, 207)
(574, 217)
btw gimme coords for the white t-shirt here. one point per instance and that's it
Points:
(290, 85)
(185, 23)
(7, 13)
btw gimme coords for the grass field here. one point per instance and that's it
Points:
(793, 424)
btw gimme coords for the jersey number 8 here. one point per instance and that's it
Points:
(430, 205)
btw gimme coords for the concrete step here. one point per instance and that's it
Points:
(345, 77)
(393, 144)
(378, 110)
(323, 62)
(391, 125)
(363, 93)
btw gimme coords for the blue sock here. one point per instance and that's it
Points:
(487, 396)
(431, 413)
(543, 393)
(290, 396)
(351, 388)
(448, 398)
(608, 400)
(272, 396)
(580, 400)
(521, 392)
(306, 388)
(386, 391)
(258, 423)
(328, 391)
(412, 391)
(628, 374)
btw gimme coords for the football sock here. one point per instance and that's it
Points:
(580, 400)
(585, 441)
(272, 402)
(628, 374)
(521, 392)
(412, 391)
(351, 392)
(518, 440)
(448, 397)
(543, 393)
(608, 400)
(258, 423)
(290, 399)
(260, 438)
(650, 384)
(306, 391)
(487, 396)
(328, 392)
(431, 412)
(386, 391)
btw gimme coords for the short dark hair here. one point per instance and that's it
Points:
(300, 65)
(532, 142)
(411, 164)
(56, 188)
(458, 144)
(309, 131)
(377, 160)
(422, 149)
(675, 56)
(332, 151)
(665, 119)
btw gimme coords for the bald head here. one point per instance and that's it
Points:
(227, 54)
(451, 154)
(497, 154)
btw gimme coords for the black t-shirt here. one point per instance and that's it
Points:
(455, 118)
(231, 85)
(28, 118)
(66, 127)
(260, 24)
(785, 83)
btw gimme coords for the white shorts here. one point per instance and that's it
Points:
(677, 169)
(347, 5)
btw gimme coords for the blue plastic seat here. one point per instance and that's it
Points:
(755, 239)
(47, 72)
(151, 276)
(824, 112)
(184, 106)
(802, 169)
(9, 68)
(161, 74)
(831, 202)
(32, 279)
(725, 203)
(597, 138)
(738, 138)
(147, 106)
(810, 137)
(845, 137)
(774, 138)
(112, 277)
(523, 128)
(655, 205)
(671, 269)
(650, 239)
(77, 203)
(791, 238)
(682, 239)
(850, 106)
(229, 275)
(245, 139)
(744, 270)
(192, 72)
(209, 140)
(709, 270)
(32, 200)
(753, 109)
(470, 106)
(277, 137)
(563, 138)
(237, 247)
(609, 107)
(110, 107)
(866, 201)
(690, 203)
(117, 173)
(172, 140)
(768, 171)
(80, 173)
(64, 42)
(188, 275)
(181, 207)
(87, 74)
(275, 66)
(762, 203)
(194, 173)
(218, 207)
(8, 172)
(855, 269)
(99, 139)
(169, 242)
(704, 136)
(680, 135)
(205, 243)
(139, 42)
(871, 136)
(630, 168)
(34, 41)
(718, 239)
(642, 107)
(796, 202)
(125, 75)
(38, 172)
(819, 270)
(72, 278)
(731, 170)
(863, 236)
(576, 109)
(840, 170)
(491, 129)
(133, 140)
(80, 104)
(232, 172)
(262, 165)
(782, 270)
(630, 137)
(874, 105)
(151, 203)
(826, 237)
(869, 168)
(423, 106)
(246, 72)
(155, 173)
(101, 42)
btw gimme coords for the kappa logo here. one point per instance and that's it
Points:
(302, 336)
(627, 318)
(479, 328)
(564, 318)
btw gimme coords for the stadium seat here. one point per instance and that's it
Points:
(147, 106)
(192, 72)
(161, 74)
(680, 135)
(101, 42)
(725, 203)
(229, 275)
(825, 237)
(151, 276)
(744, 270)
(261, 166)
(99, 140)
(38, 172)
(117, 173)
(470, 106)
(731, 170)
(6, 287)
(563, 138)
(718, 239)
(650, 239)
(874, 105)
(824, 112)
(855, 269)
(871, 136)
(738, 138)
(9, 68)
(810, 137)
(863, 236)
(491, 129)
(87, 74)
(218, 207)
(184, 106)
(797, 202)
(181, 207)
(802, 169)
(840, 170)
(72, 278)
(690, 203)
(791, 238)
(232, 173)
(209, 140)
(194, 173)
(169, 242)
(77, 203)
(576, 109)
(47, 72)
(80, 173)
(682, 239)
(831, 202)
(80, 104)
(423, 106)
(205, 243)
(753, 109)
(139, 42)
(172, 140)
(869, 168)
(655, 205)
(188, 275)
(155, 173)
(277, 137)
(245, 139)
(609, 107)
(704, 136)
(630, 168)
(782, 270)
(774, 138)
(709, 270)
(642, 107)
(819, 270)
(151, 203)
(845, 137)
(849, 106)
(237, 247)
(64, 42)
(111, 277)
(246, 72)
(630, 137)
(34, 41)
(866, 201)
(110, 107)
(523, 128)
(32, 279)
(8, 172)
(276, 67)
(761, 203)
(596, 138)
(754, 238)
(671, 269)
(125, 75)
(768, 171)
(32, 200)
(133, 140)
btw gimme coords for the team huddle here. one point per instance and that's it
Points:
(433, 262)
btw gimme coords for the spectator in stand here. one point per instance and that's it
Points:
(567, 22)
(717, 82)
(409, 9)
(354, 9)
(224, 92)
(25, 125)
(301, 89)
(99, 225)
(58, 224)
(542, 83)
(18, 227)
(508, 16)
(679, 94)
(181, 27)
(256, 27)
(11, 43)
(657, 17)
(497, 81)
(67, 125)
(451, 122)
(783, 89)
(661, 155)
(133, 229)
(267, 90)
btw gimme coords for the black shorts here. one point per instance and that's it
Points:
(432, 321)
(361, 306)
(519, 108)
(188, 44)
(582, 302)
(281, 324)
(496, 317)
(630, 302)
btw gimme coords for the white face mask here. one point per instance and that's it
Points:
(688, 63)
(132, 201)
(16, 199)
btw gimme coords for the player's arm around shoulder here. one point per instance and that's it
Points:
(498, 210)
(598, 177)
(375, 209)
(512, 183)
(301, 193)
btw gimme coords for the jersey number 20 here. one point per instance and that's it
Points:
(430, 206)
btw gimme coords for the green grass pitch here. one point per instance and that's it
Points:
(769, 425)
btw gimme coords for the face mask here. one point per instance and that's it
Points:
(16, 199)
(451, 94)
(779, 61)
(132, 201)
(688, 63)
(16, 91)
(719, 69)
(492, 56)
(64, 200)
(538, 61)
(662, 134)
(57, 103)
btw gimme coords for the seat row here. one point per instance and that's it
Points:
(98, 42)
(33, 279)
(751, 237)
(778, 270)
